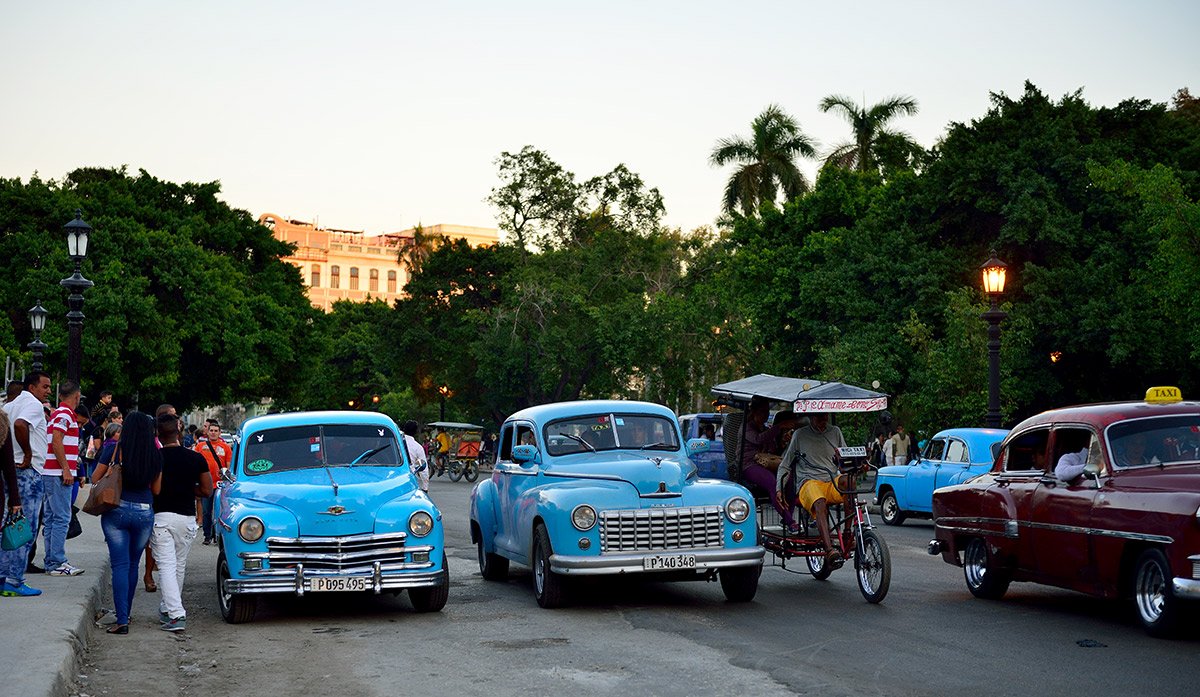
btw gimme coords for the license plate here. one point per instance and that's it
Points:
(667, 562)
(340, 583)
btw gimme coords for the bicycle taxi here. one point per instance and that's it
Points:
(466, 450)
(851, 530)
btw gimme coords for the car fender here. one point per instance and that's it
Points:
(483, 514)
(551, 504)
(893, 477)
(277, 522)
(394, 515)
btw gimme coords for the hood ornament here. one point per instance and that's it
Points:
(335, 511)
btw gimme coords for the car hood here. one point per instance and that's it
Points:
(309, 495)
(650, 473)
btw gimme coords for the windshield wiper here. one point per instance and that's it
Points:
(369, 453)
(647, 446)
(577, 438)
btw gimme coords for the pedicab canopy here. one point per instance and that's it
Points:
(454, 425)
(806, 395)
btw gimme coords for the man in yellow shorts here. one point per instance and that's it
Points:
(818, 442)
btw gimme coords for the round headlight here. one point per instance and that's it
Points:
(420, 523)
(251, 529)
(583, 517)
(737, 510)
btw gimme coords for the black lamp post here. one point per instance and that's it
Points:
(37, 322)
(77, 244)
(993, 286)
(445, 392)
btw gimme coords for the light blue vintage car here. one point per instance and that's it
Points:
(951, 457)
(322, 502)
(607, 487)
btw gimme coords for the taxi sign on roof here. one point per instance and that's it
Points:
(1161, 395)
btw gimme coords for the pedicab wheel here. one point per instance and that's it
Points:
(889, 509)
(236, 608)
(740, 583)
(817, 566)
(432, 598)
(1157, 608)
(471, 471)
(548, 587)
(455, 471)
(873, 562)
(492, 567)
(984, 579)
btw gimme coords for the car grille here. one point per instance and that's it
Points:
(336, 553)
(661, 528)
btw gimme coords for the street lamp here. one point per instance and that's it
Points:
(444, 391)
(77, 244)
(994, 272)
(37, 322)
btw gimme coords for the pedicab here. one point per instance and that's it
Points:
(851, 530)
(466, 450)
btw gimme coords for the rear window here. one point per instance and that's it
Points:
(335, 445)
(611, 432)
(1156, 441)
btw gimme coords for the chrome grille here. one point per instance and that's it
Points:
(352, 552)
(644, 530)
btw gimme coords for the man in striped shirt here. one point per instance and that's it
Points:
(58, 476)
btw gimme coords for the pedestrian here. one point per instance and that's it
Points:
(58, 480)
(185, 476)
(217, 455)
(900, 446)
(10, 492)
(151, 566)
(127, 527)
(416, 454)
(28, 424)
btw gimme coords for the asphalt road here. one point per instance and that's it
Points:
(623, 636)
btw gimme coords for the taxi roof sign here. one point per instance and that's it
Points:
(1163, 395)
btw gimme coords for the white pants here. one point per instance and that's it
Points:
(172, 538)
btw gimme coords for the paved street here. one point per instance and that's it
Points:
(799, 636)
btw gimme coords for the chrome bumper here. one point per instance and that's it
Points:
(632, 563)
(299, 581)
(1186, 588)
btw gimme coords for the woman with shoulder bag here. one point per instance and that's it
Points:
(127, 527)
(10, 493)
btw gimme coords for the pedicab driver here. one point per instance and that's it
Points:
(818, 442)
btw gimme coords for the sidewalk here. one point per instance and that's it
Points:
(42, 639)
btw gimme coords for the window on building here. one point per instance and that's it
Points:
(391, 281)
(353, 278)
(373, 283)
(315, 277)
(335, 276)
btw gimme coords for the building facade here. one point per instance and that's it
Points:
(351, 265)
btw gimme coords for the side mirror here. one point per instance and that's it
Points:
(420, 467)
(523, 454)
(696, 446)
(226, 475)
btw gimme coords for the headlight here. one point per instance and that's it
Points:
(737, 510)
(583, 517)
(251, 529)
(420, 523)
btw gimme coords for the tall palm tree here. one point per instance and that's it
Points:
(875, 145)
(416, 249)
(767, 161)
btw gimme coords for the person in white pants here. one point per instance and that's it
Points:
(416, 454)
(184, 477)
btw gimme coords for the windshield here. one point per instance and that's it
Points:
(611, 432)
(1158, 441)
(335, 445)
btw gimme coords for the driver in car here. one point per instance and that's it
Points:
(813, 454)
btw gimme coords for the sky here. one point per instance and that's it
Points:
(376, 116)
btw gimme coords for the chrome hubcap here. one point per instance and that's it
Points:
(975, 564)
(1151, 592)
(538, 572)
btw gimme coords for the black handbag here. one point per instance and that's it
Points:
(75, 529)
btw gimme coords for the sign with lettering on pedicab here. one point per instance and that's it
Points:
(817, 406)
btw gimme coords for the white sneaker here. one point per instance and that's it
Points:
(65, 570)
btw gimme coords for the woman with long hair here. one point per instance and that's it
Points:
(127, 527)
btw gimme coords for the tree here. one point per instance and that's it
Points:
(875, 147)
(766, 162)
(536, 200)
(416, 249)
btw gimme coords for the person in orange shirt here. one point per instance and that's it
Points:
(217, 453)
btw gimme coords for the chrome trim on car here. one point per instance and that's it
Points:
(953, 524)
(351, 554)
(1186, 588)
(661, 529)
(961, 525)
(563, 475)
(1195, 560)
(1099, 532)
(299, 581)
(632, 563)
(344, 539)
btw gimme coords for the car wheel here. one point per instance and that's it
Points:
(432, 598)
(874, 565)
(740, 583)
(889, 509)
(984, 579)
(492, 567)
(236, 608)
(548, 587)
(1156, 605)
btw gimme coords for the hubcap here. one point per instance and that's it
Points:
(539, 573)
(975, 564)
(1151, 592)
(225, 596)
(870, 567)
(889, 507)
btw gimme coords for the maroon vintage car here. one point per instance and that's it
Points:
(1123, 522)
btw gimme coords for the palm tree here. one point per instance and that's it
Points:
(874, 146)
(767, 161)
(416, 249)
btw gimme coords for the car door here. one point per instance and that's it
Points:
(954, 464)
(922, 476)
(513, 480)
(1061, 517)
(1024, 465)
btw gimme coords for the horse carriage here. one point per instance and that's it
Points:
(851, 531)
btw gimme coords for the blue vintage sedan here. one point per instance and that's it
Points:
(320, 502)
(607, 487)
(951, 457)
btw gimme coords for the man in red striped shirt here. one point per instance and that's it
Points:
(58, 476)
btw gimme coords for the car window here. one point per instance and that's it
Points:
(1027, 451)
(956, 451)
(506, 443)
(1069, 439)
(934, 449)
(686, 426)
(1155, 441)
(315, 445)
(525, 435)
(610, 431)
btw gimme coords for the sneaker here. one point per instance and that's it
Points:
(177, 624)
(65, 570)
(106, 617)
(21, 591)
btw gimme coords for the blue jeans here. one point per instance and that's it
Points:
(206, 504)
(126, 530)
(12, 564)
(58, 519)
